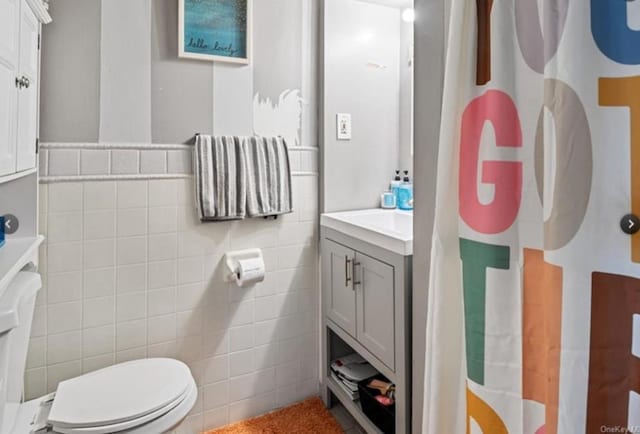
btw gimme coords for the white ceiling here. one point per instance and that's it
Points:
(393, 3)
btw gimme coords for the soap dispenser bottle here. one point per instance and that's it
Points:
(405, 193)
(395, 184)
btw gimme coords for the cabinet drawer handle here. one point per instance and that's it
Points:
(347, 263)
(22, 82)
(356, 282)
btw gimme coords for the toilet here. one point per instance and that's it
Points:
(149, 396)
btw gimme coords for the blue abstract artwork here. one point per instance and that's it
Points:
(215, 29)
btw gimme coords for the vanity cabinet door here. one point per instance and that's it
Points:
(375, 313)
(339, 292)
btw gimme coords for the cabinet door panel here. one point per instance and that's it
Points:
(9, 44)
(337, 279)
(28, 96)
(375, 311)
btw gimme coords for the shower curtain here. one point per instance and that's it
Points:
(534, 301)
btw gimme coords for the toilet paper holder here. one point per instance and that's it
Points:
(234, 268)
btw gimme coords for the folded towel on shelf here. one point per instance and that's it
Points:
(268, 176)
(220, 178)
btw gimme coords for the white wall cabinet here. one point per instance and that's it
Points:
(19, 83)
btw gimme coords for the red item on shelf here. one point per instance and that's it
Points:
(384, 400)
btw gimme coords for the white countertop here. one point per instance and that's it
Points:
(389, 229)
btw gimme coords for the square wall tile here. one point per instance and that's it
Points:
(130, 335)
(241, 363)
(64, 287)
(64, 347)
(162, 274)
(132, 194)
(189, 323)
(99, 225)
(99, 195)
(309, 161)
(98, 341)
(216, 418)
(131, 222)
(215, 369)
(131, 306)
(125, 162)
(180, 161)
(43, 162)
(62, 372)
(132, 250)
(35, 383)
(163, 247)
(99, 282)
(131, 278)
(99, 253)
(161, 301)
(64, 162)
(36, 357)
(153, 162)
(190, 270)
(163, 220)
(99, 312)
(65, 197)
(241, 338)
(94, 162)
(64, 317)
(216, 395)
(163, 192)
(190, 296)
(63, 227)
(162, 329)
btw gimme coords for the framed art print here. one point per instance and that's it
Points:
(216, 30)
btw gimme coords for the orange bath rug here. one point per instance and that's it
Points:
(309, 416)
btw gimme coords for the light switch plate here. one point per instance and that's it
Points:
(343, 126)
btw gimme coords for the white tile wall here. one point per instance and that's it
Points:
(58, 161)
(94, 161)
(129, 273)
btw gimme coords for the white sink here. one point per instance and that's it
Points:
(390, 229)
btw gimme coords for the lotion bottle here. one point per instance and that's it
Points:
(405, 193)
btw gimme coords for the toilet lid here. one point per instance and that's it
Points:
(119, 393)
(185, 401)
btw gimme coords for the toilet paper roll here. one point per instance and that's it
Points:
(250, 271)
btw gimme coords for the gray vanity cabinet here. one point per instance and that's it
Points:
(366, 303)
(374, 311)
(340, 294)
(359, 297)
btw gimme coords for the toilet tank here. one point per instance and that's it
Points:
(17, 303)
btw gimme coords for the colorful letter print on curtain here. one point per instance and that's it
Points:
(614, 359)
(535, 282)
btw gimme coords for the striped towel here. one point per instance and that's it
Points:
(220, 176)
(268, 176)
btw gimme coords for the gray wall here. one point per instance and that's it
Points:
(357, 34)
(113, 77)
(70, 85)
(429, 63)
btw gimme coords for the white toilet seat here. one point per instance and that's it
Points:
(157, 422)
(125, 398)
